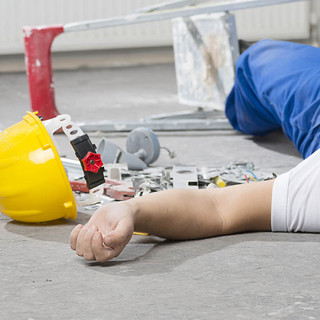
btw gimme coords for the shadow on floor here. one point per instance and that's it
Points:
(56, 231)
(165, 256)
(276, 141)
(148, 255)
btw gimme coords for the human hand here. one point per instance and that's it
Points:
(106, 234)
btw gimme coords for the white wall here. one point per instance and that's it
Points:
(315, 9)
(289, 21)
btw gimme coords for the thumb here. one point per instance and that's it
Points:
(120, 236)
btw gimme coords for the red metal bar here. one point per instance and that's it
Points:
(38, 41)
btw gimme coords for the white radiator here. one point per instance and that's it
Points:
(289, 21)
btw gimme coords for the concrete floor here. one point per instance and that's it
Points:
(246, 276)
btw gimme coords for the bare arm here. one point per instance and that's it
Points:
(191, 214)
(175, 214)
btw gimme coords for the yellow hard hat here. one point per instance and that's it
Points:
(34, 186)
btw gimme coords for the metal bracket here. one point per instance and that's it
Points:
(73, 131)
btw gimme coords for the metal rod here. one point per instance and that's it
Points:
(170, 14)
(172, 125)
(169, 5)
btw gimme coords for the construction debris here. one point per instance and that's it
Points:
(185, 177)
(139, 183)
(142, 149)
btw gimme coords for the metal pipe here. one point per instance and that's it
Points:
(161, 125)
(170, 14)
(170, 5)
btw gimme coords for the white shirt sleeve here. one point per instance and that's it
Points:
(296, 198)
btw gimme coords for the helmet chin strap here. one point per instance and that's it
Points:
(91, 163)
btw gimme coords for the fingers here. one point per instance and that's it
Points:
(87, 250)
(88, 243)
(101, 252)
(79, 244)
(81, 240)
(74, 236)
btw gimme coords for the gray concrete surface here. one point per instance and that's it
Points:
(246, 276)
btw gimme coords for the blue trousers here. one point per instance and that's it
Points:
(277, 85)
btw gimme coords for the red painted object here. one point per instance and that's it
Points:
(92, 162)
(118, 190)
(80, 186)
(121, 192)
(38, 41)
